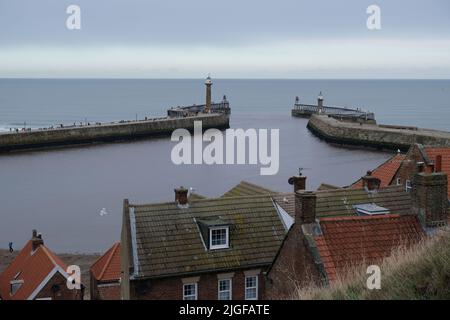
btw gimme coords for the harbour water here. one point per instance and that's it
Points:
(74, 196)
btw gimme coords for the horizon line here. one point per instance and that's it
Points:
(224, 78)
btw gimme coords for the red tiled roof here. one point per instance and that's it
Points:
(347, 241)
(384, 172)
(107, 267)
(32, 268)
(445, 153)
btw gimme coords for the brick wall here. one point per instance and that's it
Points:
(104, 290)
(172, 288)
(294, 266)
(408, 167)
(59, 282)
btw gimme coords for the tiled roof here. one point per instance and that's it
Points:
(445, 153)
(245, 188)
(107, 267)
(339, 202)
(32, 268)
(168, 240)
(384, 172)
(347, 241)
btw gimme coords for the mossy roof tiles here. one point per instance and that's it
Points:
(169, 242)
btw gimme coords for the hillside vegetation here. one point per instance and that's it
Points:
(420, 272)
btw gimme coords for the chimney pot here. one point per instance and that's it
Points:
(371, 183)
(181, 196)
(36, 240)
(299, 182)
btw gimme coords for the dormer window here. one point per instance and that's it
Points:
(15, 286)
(214, 232)
(219, 238)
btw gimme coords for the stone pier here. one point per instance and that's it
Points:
(48, 138)
(372, 135)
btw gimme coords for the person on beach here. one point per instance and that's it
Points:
(11, 250)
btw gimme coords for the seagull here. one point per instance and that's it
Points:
(103, 212)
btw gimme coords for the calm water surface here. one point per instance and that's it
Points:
(62, 192)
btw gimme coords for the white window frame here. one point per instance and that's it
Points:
(255, 287)
(229, 290)
(408, 186)
(14, 286)
(227, 238)
(195, 295)
(399, 181)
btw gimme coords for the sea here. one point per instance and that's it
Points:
(74, 196)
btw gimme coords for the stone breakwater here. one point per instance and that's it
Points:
(59, 137)
(375, 136)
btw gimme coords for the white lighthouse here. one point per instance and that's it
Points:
(320, 102)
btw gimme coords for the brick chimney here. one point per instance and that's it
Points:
(438, 164)
(371, 183)
(299, 182)
(430, 198)
(181, 196)
(305, 207)
(36, 240)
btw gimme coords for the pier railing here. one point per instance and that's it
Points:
(220, 107)
(336, 112)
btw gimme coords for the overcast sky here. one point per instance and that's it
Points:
(227, 38)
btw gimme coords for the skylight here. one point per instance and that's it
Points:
(370, 209)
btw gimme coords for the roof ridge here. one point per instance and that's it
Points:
(391, 159)
(49, 255)
(265, 195)
(257, 186)
(356, 218)
(101, 257)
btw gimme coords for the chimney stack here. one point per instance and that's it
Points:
(181, 196)
(430, 198)
(438, 164)
(371, 183)
(299, 182)
(305, 207)
(36, 240)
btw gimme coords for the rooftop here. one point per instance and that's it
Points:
(168, 240)
(385, 172)
(341, 202)
(245, 188)
(107, 267)
(32, 268)
(346, 241)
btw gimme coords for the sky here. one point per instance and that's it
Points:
(228, 38)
